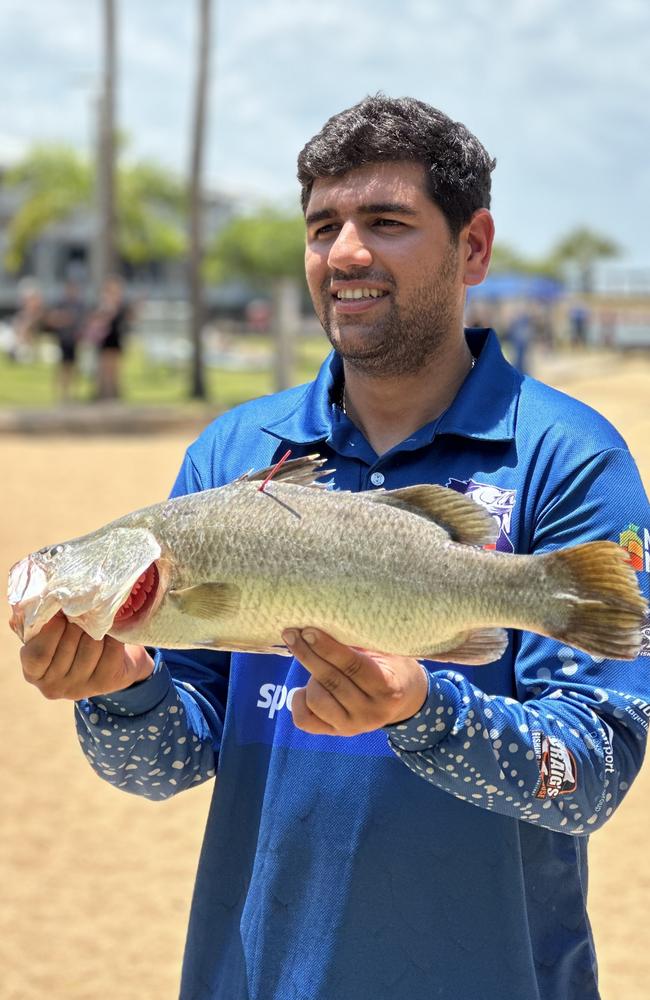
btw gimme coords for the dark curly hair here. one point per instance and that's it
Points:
(380, 129)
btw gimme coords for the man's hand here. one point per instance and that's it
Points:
(352, 691)
(63, 661)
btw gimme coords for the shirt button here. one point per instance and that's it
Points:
(377, 479)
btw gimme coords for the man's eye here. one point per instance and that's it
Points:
(324, 230)
(387, 223)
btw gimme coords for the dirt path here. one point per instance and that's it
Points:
(96, 884)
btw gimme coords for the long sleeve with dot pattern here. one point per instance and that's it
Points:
(160, 736)
(563, 761)
(565, 748)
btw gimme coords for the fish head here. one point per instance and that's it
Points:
(31, 603)
(95, 580)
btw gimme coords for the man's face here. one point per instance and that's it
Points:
(382, 269)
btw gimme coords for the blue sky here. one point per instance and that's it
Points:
(558, 91)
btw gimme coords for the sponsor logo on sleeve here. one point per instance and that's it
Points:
(608, 752)
(557, 767)
(636, 708)
(636, 541)
(498, 502)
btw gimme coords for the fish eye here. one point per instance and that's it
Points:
(51, 550)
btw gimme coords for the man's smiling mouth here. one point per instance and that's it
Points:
(360, 293)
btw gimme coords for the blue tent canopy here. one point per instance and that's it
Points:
(516, 286)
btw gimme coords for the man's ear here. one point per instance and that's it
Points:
(476, 246)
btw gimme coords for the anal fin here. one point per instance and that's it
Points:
(483, 645)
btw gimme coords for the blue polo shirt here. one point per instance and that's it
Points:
(446, 856)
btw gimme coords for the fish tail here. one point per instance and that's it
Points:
(596, 604)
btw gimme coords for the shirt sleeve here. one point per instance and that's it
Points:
(163, 734)
(565, 750)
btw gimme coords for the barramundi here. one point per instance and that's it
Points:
(405, 571)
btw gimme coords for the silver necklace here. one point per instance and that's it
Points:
(341, 401)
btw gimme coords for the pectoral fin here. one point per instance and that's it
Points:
(483, 645)
(211, 601)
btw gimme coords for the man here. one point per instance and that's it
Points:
(330, 870)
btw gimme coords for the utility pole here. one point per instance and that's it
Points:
(106, 255)
(197, 306)
(286, 321)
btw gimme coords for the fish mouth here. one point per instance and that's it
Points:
(17, 621)
(141, 597)
(31, 605)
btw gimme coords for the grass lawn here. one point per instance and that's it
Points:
(34, 384)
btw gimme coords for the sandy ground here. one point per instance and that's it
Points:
(95, 884)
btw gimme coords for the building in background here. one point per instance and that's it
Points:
(65, 251)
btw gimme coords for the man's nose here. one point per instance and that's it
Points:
(349, 249)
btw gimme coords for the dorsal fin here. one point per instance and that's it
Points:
(299, 471)
(463, 519)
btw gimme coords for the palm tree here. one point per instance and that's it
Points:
(582, 248)
(56, 181)
(105, 250)
(197, 387)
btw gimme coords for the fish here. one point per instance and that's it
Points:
(406, 571)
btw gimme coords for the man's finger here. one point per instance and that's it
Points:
(98, 668)
(324, 705)
(65, 654)
(305, 719)
(338, 667)
(36, 655)
(333, 680)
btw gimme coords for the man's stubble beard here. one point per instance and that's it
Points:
(406, 338)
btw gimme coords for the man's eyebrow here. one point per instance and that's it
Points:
(324, 213)
(388, 207)
(376, 208)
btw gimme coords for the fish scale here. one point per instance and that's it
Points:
(402, 571)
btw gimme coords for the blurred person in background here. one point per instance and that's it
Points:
(109, 328)
(520, 335)
(28, 320)
(67, 321)
(384, 828)
(579, 325)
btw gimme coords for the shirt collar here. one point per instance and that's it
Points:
(484, 407)
(310, 418)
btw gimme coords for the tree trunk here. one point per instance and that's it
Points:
(197, 310)
(106, 255)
